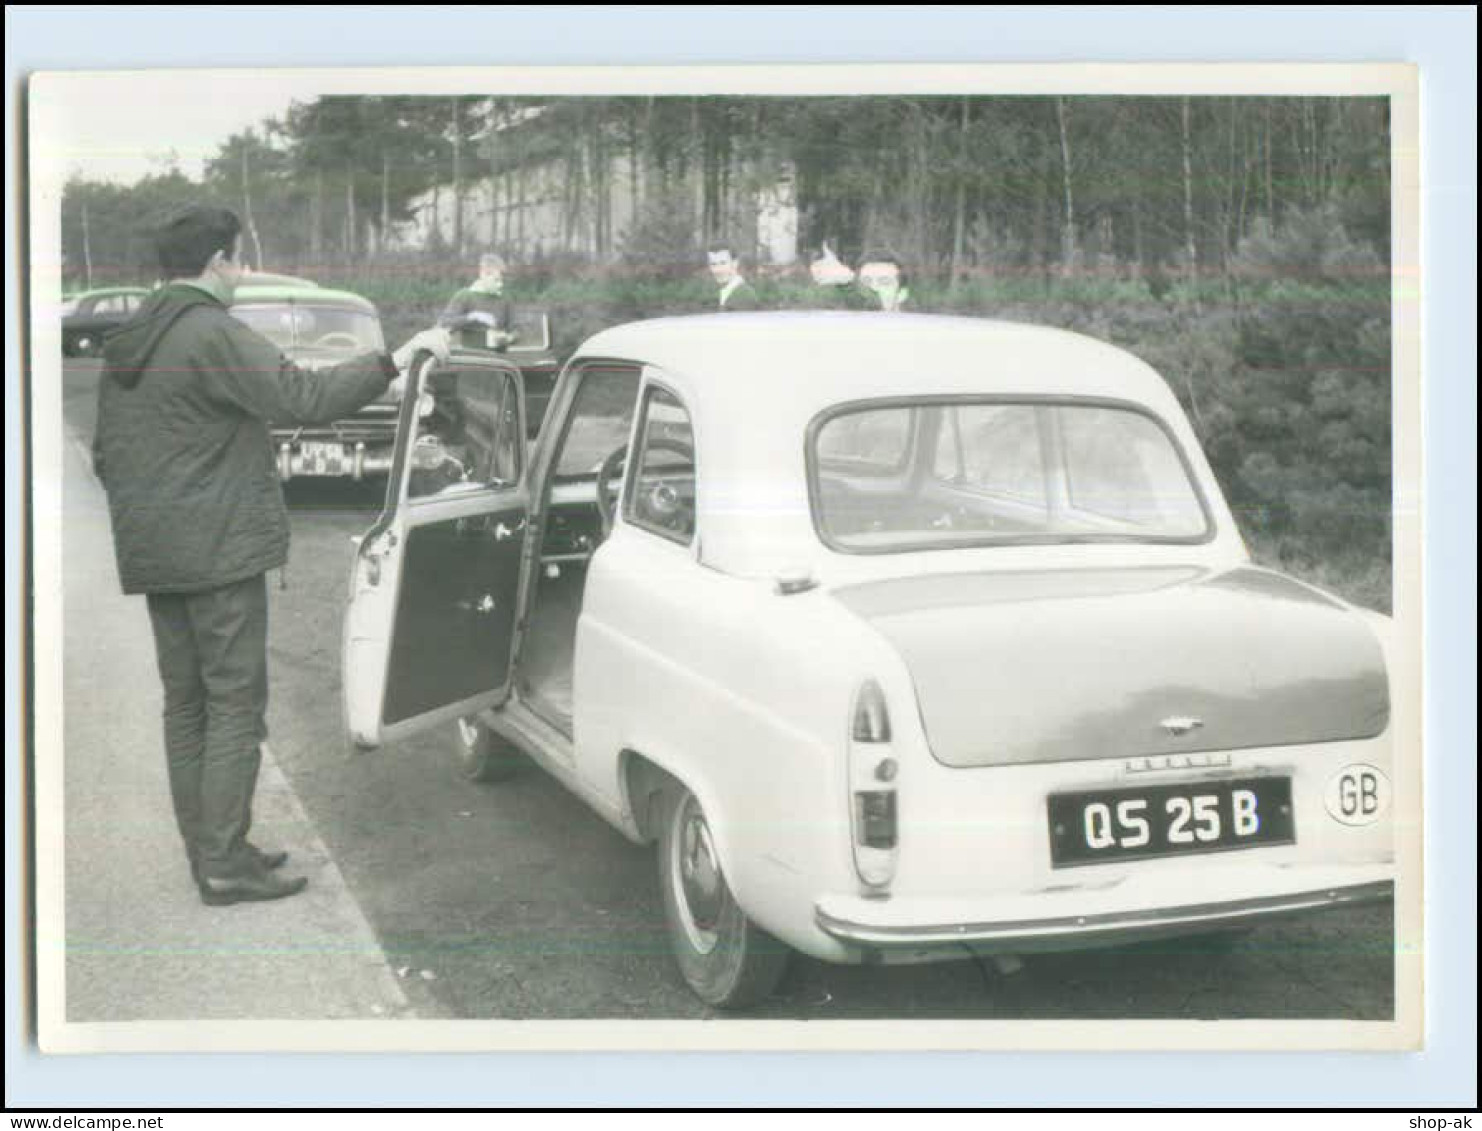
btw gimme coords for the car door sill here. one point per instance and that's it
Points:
(555, 753)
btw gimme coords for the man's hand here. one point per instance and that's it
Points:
(434, 341)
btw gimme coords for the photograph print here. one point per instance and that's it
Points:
(894, 549)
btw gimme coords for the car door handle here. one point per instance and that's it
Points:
(502, 532)
(483, 606)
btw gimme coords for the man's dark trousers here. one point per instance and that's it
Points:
(212, 653)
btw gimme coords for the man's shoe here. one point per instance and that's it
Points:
(254, 887)
(268, 860)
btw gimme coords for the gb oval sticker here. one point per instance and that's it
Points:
(1357, 795)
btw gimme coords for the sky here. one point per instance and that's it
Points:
(122, 127)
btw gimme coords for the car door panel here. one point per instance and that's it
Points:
(430, 622)
(455, 620)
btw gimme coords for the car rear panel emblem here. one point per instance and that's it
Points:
(1175, 726)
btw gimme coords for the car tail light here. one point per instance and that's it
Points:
(871, 719)
(874, 816)
(873, 770)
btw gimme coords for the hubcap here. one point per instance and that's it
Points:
(468, 732)
(699, 886)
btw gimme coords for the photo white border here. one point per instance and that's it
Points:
(1017, 1035)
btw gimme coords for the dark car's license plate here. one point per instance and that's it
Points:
(1168, 820)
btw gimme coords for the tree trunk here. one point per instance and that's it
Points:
(1227, 221)
(316, 221)
(496, 120)
(385, 197)
(1137, 249)
(520, 211)
(457, 128)
(247, 211)
(634, 156)
(351, 224)
(959, 217)
(1244, 186)
(87, 247)
(1270, 196)
(1190, 249)
(1067, 231)
(697, 170)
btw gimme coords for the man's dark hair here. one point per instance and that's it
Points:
(885, 257)
(716, 246)
(186, 241)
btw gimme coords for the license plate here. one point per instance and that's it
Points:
(321, 457)
(1102, 826)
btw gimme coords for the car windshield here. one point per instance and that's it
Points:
(314, 329)
(530, 330)
(924, 476)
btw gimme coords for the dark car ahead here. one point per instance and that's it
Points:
(86, 317)
(317, 327)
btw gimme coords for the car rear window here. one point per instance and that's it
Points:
(911, 476)
(310, 328)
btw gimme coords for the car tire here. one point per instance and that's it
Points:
(726, 959)
(85, 345)
(483, 755)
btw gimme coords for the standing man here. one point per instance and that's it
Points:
(735, 292)
(198, 518)
(481, 308)
(882, 276)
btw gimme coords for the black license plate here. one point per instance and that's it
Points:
(1101, 826)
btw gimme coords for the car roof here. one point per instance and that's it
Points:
(826, 358)
(755, 383)
(275, 278)
(248, 294)
(98, 292)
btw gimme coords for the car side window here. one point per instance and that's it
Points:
(661, 482)
(467, 434)
(600, 418)
(871, 442)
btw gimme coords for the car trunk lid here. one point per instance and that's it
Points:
(1015, 668)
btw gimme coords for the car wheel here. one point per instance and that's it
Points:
(726, 958)
(482, 754)
(85, 345)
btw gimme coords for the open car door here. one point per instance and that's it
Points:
(433, 589)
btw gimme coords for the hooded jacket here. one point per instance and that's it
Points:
(182, 444)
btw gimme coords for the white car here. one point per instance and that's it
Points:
(903, 636)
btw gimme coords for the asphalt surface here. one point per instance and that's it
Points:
(513, 900)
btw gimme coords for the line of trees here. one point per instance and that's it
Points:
(954, 185)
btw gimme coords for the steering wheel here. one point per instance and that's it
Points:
(607, 497)
(336, 338)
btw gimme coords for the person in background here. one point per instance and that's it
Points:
(882, 277)
(735, 292)
(198, 518)
(479, 313)
(833, 283)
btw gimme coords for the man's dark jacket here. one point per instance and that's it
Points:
(182, 444)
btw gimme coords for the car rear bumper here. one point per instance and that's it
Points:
(886, 926)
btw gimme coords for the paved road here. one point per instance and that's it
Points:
(513, 900)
